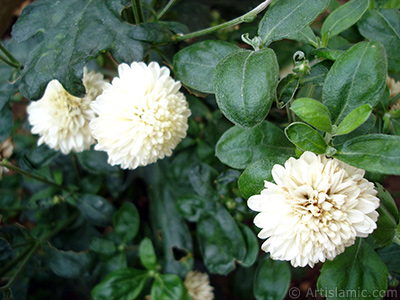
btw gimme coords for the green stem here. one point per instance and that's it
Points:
(5, 163)
(14, 262)
(248, 17)
(10, 56)
(396, 239)
(5, 60)
(27, 253)
(137, 11)
(76, 166)
(165, 9)
(21, 266)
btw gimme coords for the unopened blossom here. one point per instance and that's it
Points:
(6, 150)
(394, 89)
(394, 86)
(142, 116)
(61, 119)
(314, 210)
(197, 285)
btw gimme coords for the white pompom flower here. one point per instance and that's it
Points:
(316, 207)
(61, 119)
(142, 116)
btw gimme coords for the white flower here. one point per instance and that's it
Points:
(6, 150)
(142, 116)
(198, 286)
(317, 207)
(62, 120)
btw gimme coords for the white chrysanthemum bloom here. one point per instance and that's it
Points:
(316, 208)
(198, 286)
(6, 150)
(61, 119)
(142, 116)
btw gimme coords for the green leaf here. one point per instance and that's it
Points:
(354, 119)
(40, 157)
(327, 53)
(317, 74)
(252, 246)
(272, 280)
(95, 162)
(251, 182)
(174, 231)
(344, 17)
(306, 36)
(67, 264)
(390, 255)
(313, 112)
(287, 17)
(388, 218)
(202, 177)
(191, 206)
(359, 268)
(169, 287)
(126, 222)
(220, 240)
(95, 209)
(357, 77)
(385, 4)
(5, 249)
(245, 85)
(374, 152)
(287, 87)
(124, 284)
(6, 123)
(364, 129)
(103, 246)
(156, 33)
(305, 137)
(194, 65)
(239, 147)
(147, 255)
(383, 25)
(71, 40)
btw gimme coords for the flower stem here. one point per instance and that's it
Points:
(5, 163)
(14, 262)
(247, 17)
(15, 63)
(30, 252)
(27, 253)
(5, 60)
(137, 11)
(165, 9)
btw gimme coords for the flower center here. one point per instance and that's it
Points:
(312, 204)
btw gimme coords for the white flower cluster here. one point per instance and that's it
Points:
(137, 118)
(316, 207)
